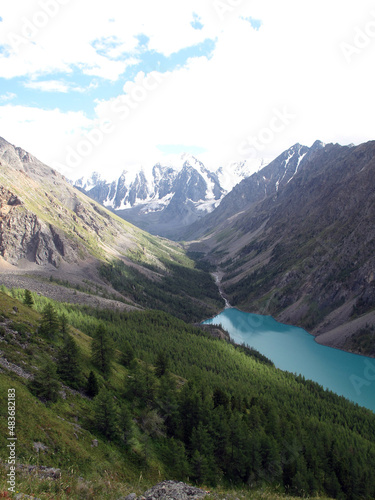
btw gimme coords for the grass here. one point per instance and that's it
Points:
(110, 486)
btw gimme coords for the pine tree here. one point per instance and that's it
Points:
(45, 384)
(200, 467)
(92, 387)
(141, 384)
(50, 325)
(152, 425)
(28, 299)
(64, 325)
(127, 354)
(126, 424)
(205, 466)
(69, 363)
(106, 417)
(177, 460)
(161, 364)
(167, 402)
(102, 350)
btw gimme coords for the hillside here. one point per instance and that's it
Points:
(300, 247)
(51, 230)
(176, 403)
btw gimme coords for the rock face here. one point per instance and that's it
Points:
(44, 221)
(23, 235)
(173, 490)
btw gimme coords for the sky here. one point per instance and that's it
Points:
(87, 85)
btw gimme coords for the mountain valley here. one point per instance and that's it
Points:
(51, 230)
(118, 384)
(295, 241)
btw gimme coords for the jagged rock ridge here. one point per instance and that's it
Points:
(170, 196)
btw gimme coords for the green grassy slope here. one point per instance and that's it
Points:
(218, 417)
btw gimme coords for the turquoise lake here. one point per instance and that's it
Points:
(294, 350)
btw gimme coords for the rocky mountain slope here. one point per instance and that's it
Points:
(170, 196)
(266, 182)
(299, 246)
(51, 228)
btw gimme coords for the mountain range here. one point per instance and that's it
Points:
(294, 239)
(170, 196)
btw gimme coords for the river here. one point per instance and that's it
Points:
(294, 350)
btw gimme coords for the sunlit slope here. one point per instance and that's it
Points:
(48, 226)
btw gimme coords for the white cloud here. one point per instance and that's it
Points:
(48, 86)
(8, 96)
(41, 132)
(57, 86)
(42, 43)
(294, 62)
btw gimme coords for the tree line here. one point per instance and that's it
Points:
(208, 410)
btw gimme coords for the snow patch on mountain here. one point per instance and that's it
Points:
(152, 189)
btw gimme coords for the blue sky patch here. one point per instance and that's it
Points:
(155, 61)
(77, 91)
(142, 40)
(255, 23)
(71, 100)
(196, 22)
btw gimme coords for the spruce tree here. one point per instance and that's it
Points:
(102, 350)
(199, 467)
(92, 387)
(127, 354)
(106, 417)
(69, 363)
(50, 325)
(28, 299)
(64, 325)
(141, 384)
(126, 424)
(45, 384)
(167, 402)
(161, 364)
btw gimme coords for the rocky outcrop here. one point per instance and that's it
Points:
(24, 236)
(170, 490)
(43, 220)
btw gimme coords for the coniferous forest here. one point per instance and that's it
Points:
(159, 394)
